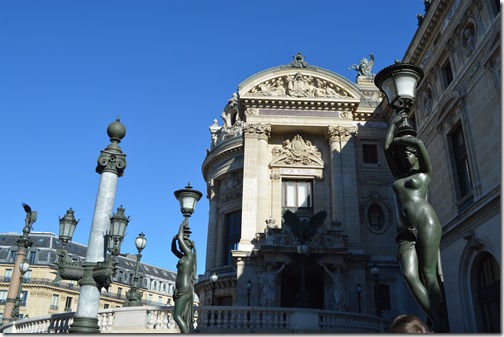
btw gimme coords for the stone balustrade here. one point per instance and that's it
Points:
(208, 319)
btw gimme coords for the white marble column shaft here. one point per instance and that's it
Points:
(89, 296)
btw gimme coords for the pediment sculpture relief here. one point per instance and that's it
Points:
(297, 152)
(298, 85)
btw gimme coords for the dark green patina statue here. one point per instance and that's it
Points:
(419, 231)
(186, 275)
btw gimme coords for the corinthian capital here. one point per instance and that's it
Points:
(338, 133)
(257, 130)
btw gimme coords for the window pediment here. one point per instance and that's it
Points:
(297, 152)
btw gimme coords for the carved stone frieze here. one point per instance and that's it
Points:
(338, 133)
(296, 152)
(298, 85)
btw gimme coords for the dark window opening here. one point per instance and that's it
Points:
(384, 297)
(33, 255)
(447, 74)
(232, 235)
(370, 153)
(461, 163)
(488, 293)
(68, 303)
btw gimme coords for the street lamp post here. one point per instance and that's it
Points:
(134, 295)
(213, 280)
(24, 243)
(106, 235)
(23, 268)
(358, 289)
(249, 288)
(96, 274)
(303, 297)
(376, 275)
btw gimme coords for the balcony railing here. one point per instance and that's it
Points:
(208, 319)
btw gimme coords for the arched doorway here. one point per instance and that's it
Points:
(486, 291)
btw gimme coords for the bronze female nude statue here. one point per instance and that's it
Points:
(419, 229)
(186, 275)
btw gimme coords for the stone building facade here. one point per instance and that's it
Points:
(45, 293)
(303, 139)
(458, 116)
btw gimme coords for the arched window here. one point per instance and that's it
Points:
(487, 291)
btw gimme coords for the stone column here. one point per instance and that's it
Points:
(212, 237)
(111, 165)
(252, 132)
(263, 179)
(345, 203)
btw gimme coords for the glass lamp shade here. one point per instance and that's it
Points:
(214, 278)
(303, 249)
(375, 270)
(188, 197)
(67, 226)
(398, 82)
(24, 266)
(118, 224)
(358, 289)
(249, 285)
(140, 242)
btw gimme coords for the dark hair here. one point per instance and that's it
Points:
(408, 324)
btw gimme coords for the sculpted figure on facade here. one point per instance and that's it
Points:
(339, 290)
(298, 85)
(231, 115)
(298, 62)
(364, 67)
(232, 124)
(468, 39)
(268, 282)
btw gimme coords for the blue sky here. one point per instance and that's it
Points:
(68, 68)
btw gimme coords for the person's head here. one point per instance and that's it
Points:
(408, 324)
(407, 156)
